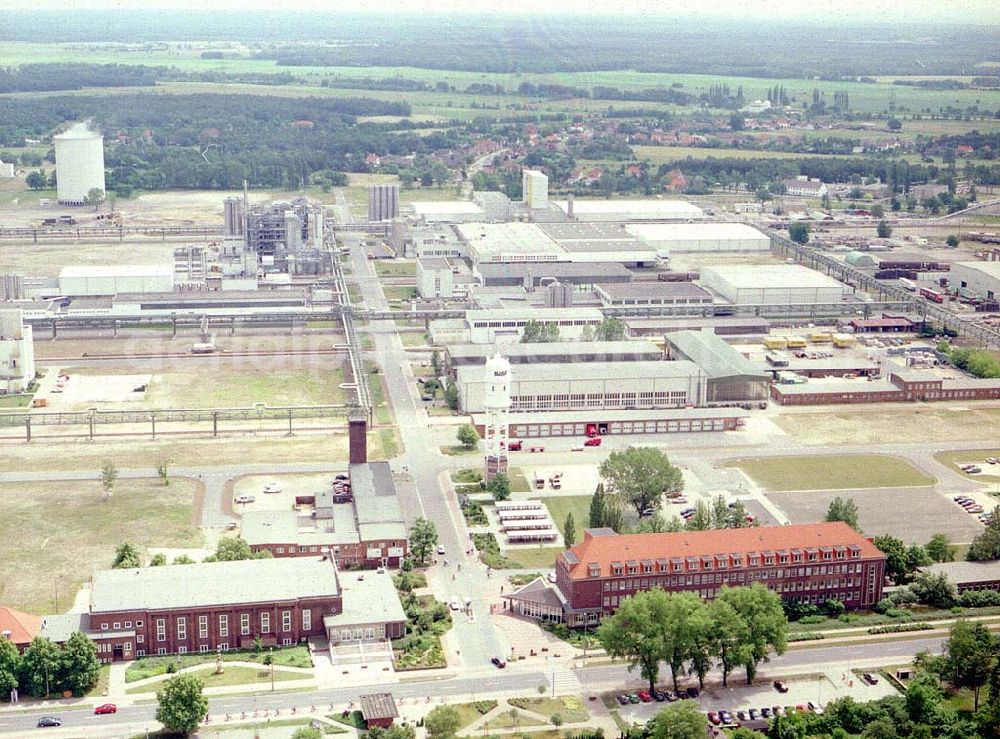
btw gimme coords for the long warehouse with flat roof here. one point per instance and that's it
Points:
(699, 237)
(589, 385)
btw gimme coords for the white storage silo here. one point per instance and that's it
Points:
(79, 163)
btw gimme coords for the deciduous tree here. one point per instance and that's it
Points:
(569, 530)
(939, 548)
(442, 722)
(766, 624)
(423, 539)
(499, 486)
(127, 556)
(467, 435)
(10, 666)
(681, 720)
(640, 476)
(843, 509)
(79, 667)
(181, 706)
(40, 667)
(109, 475)
(634, 633)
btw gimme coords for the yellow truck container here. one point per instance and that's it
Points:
(775, 342)
(796, 342)
(843, 341)
(820, 337)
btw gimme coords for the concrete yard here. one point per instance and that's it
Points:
(912, 514)
(291, 485)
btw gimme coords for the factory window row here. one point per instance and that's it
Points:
(652, 399)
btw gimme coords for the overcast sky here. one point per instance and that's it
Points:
(982, 12)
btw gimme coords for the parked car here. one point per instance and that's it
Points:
(232, 526)
(341, 477)
(272, 487)
(106, 708)
(726, 716)
(777, 710)
(765, 712)
(633, 698)
(781, 686)
(671, 696)
(870, 678)
(48, 721)
(692, 692)
(742, 716)
(515, 446)
(754, 714)
(714, 718)
(622, 699)
(961, 498)
(593, 441)
(975, 509)
(644, 696)
(440, 549)
(974, 470)
(815, 708)
(245, 499)
(991, 460)
(454, 604)
(679, 501)
(659, 696)
(499, 662)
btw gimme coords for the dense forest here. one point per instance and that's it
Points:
(217, 141)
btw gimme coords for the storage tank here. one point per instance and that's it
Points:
(79, 163)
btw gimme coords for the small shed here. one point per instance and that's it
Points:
(378, 709)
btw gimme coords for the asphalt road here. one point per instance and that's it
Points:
(476, 637)
(596, 679)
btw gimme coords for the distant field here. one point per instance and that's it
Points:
(660, 154)
(54, 535)
(863, 97)
(831, 472)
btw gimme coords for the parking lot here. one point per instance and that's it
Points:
(740, 697)
(289, 486)
(911, 514)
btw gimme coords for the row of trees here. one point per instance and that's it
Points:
(740, 628)
(46, 667)
(229, 549)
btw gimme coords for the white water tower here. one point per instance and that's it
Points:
(496, 402)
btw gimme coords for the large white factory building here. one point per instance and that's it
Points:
(772, 284)
(100, 280)
(590, 385)
(79, 164)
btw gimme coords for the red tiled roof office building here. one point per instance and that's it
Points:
(809, 563)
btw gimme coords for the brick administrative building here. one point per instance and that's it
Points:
(205, 607)
(807, 563)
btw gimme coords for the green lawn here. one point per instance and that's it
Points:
(233, 675)
(239, 387)
(831, 472)
(15, 401)
(470, 712)
(535, 557)
(561, 505)
(384, 268)
(297, 656)
(504, 720)
(518, 480)
(55, 534)
(571, 708)
(399, 292)
(412, 339)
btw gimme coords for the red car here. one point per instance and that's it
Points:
(515, 446)
(713, 717)
(593, 441)
(106, 708)
(644, 696)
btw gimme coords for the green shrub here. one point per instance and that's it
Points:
(899, 628)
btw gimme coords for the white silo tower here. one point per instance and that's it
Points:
(79, 163)
(496, 402)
